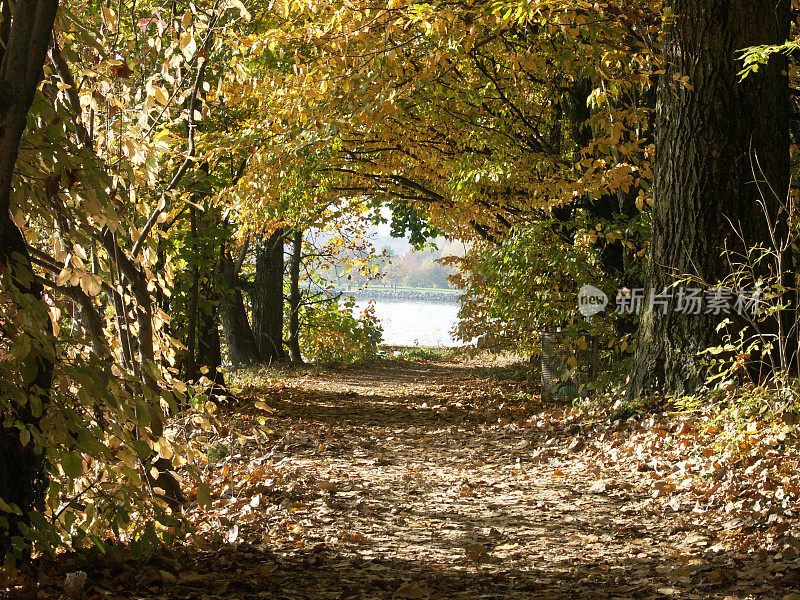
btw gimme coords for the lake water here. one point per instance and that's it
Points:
(415, 323)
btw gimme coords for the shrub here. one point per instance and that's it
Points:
(333, 334)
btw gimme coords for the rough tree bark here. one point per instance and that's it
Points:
(203, 347)
(295, 356)
(209, 344)
(239, 338)
(209, 347)
(707, 136)
(266, 295)
(23, 48)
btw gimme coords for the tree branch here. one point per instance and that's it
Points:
(182, 170)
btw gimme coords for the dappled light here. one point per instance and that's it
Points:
(444, 479)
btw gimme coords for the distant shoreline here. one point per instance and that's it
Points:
(403, 295)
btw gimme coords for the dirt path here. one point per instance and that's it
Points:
(429, 480)
(433, 480)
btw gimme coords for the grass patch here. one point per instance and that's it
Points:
(421, 353)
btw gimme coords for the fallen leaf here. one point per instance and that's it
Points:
(328, 486)
(168, 578)
(409, 590)
(233, 534)
(476, 552)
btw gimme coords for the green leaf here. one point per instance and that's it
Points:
(72, 464)
(98, 543)
(28, 370)
(10, 508)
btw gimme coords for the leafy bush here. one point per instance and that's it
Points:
(333, 334)
(96, 435)
(528, 283)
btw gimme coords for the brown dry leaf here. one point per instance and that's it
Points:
(409, 590)
(507, 547)
(476, 552)
(233, 534)
(328, 486)
(598, 487)
(121, 70)
(577, 445)
(668, 591)
(191, 578)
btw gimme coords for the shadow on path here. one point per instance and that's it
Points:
(425, 480)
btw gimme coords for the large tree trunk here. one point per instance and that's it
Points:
(239, 338)
(266, 296)
(23, 47)
(707, 136)
(295, 355)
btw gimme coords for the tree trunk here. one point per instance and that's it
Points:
(194, 297)
(209, 347)
(707, 139)
(91, 321)
(123, 331)
(266, 296)
(294, 298)
(239, 338)
(23, 475)
(23, 47)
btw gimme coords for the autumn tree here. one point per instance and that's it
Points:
(87, 290)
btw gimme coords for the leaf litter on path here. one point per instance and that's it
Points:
(444, 480)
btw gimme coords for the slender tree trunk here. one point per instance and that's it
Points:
(707, 138)
(123, 333)
(239, 338)
(209, 345)
(267, 298)
(91, 321)
(129, 273)
(192, 305)
(294, 298)
(209, 348)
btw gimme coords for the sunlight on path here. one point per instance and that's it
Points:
(428, 480)
(432, 480)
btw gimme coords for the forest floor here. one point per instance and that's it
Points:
(448, 480)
